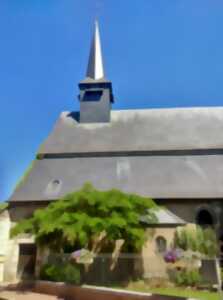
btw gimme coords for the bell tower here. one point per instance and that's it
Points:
(95, 90)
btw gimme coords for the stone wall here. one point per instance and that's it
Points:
(21, 210)
(187, 209)
(12, 258)
(9, 248)
(153, 262)
(4, 237)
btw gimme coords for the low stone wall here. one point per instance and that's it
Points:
(71, 292)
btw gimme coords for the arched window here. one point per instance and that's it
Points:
(161, 244)
(55, 183)
(205, 218)
(53, 188)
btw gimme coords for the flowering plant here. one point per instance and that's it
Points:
(173, 255)
(82, 256)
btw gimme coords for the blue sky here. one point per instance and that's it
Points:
(158, 53)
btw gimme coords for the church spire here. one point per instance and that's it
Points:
(95, 68)
(96, 95)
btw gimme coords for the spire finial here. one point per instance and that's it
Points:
(95, 68)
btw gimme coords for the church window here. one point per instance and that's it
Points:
(205, 218)
(56, 182)
(92, 95)
(161, 244)
(53, 187)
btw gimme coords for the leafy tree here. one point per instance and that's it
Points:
(198, 239)
(90, 218)
(3, 206)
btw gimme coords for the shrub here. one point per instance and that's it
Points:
(60, 273)
(188, 278)
(3, 206)
(197, 239)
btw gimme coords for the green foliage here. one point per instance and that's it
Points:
(24, 226)
(80, 217)
(188, 278)
(3, 206)
(60, 273)
(200, 240)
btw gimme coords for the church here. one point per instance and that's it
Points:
(174, 156)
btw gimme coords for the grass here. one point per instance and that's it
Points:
(180, 292)
(174, 291)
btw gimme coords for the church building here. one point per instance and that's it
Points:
(174, 156)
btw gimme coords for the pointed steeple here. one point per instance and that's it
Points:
(95, 68)
(96, 95)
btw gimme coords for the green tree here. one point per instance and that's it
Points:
(3, 206)
(90, 218)
(198, 239)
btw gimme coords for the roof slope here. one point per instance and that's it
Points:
(139, 130)
(164, 217)
(195, 176)
(163, 153)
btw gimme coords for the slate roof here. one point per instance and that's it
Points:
(164, 217)
(139, 130)
(160, 153)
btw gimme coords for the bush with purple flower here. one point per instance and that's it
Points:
(173, 255)
(82, 256)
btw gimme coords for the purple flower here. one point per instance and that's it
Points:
(76, 254)
(172, 256)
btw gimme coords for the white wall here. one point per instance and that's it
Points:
(4, 238)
